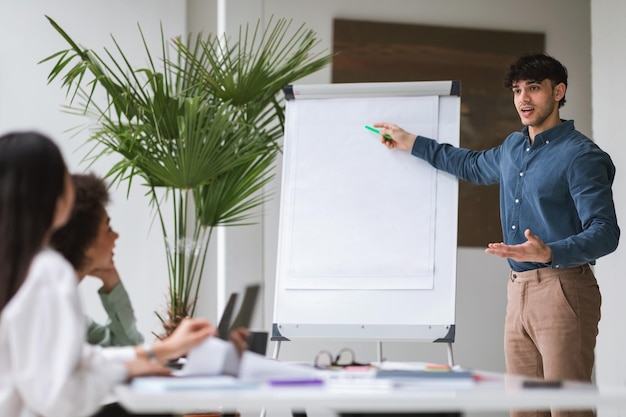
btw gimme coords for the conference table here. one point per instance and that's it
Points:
(491, 392)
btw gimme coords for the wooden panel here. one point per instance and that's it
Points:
(372, 51)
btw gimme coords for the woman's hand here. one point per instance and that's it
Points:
(189, 333)
(109, 277)
(144, 367)
(239, 338)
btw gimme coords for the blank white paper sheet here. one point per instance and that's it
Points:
(355, 214)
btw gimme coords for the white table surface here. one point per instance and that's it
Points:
(495, 393)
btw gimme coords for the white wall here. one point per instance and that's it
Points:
(26, 102)
(609, 67)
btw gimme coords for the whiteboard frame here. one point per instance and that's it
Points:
(441, 329)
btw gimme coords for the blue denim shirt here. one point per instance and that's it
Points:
(559, 188)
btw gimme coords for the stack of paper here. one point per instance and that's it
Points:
(163, 384)
(438, 379)
(424, 375)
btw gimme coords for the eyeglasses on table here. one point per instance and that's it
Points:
(326, 360)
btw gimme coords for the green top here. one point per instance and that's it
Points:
(121, 327)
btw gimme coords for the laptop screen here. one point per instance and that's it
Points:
(244, 316)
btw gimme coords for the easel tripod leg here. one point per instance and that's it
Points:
(450, 355)
(276, 350)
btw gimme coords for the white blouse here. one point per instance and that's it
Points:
(46, 367)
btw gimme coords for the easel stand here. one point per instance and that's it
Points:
(339, 269)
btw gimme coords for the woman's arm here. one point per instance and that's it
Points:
(121, 328)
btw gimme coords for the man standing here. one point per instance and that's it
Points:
(558, 217)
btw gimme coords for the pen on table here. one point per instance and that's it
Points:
(377, 131)
(295, 382)
(438, 368)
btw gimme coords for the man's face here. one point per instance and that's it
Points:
(537, 102)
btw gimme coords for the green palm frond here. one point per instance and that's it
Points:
(229, 199)
(201, 120)
(249, 73)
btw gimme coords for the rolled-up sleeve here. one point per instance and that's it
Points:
(121, 327)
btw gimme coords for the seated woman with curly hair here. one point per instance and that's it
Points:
(87, 242)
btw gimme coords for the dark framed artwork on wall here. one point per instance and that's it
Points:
(392, 52)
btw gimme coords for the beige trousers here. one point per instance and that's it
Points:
(551, 327)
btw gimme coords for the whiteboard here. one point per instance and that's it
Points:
(367, 235)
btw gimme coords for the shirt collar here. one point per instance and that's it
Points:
(552, 133)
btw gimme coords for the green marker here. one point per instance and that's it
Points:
(377, 131)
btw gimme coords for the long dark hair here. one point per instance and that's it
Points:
(32, 178)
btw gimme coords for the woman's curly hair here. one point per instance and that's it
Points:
(73, 239)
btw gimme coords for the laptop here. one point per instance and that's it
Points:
(244, 316)
(243, 319)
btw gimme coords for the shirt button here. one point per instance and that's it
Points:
(521, 174)
(516, 200)
(527, 149)
(513, 227)
(546, 144)
(557, 266)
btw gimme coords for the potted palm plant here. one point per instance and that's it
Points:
(199, 125)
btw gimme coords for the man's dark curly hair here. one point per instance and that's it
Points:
(536, 67)
(73, 239)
